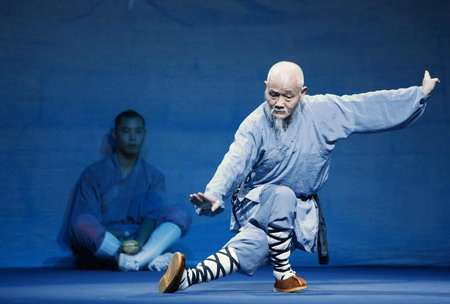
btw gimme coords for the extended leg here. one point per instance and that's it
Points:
(215, 266)
(246, 252)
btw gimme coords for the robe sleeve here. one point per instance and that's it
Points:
(87, 197)
(338, 117)
(235, 165)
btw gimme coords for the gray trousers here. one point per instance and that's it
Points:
(251, 243)
(276, 206)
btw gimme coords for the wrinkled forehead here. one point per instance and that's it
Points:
(284, 83)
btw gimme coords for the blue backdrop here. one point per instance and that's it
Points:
(195, 70)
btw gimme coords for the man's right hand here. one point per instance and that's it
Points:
(204, 202)
(428, 84)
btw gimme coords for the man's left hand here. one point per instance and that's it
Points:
(428, 83)
(205, 202)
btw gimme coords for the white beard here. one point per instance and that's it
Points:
(280, 126)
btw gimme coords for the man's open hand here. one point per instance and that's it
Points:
(204, 202)
(428, 83)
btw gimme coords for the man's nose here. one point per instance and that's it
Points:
(280, 102)
(132, 136)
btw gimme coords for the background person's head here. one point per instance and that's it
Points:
(129, 133)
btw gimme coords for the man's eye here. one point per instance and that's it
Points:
(274, 94)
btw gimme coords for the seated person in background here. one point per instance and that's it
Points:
(119, 201)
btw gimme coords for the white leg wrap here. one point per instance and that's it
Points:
(164, 236)
(215, 266)
(108, 248)
(279, 240)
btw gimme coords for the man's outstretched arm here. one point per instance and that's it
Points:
(338, 117)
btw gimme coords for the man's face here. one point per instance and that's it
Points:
(130, 135)
(283, 94)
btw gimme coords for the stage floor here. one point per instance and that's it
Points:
(325, 285)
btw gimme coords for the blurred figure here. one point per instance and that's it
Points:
(118, 217)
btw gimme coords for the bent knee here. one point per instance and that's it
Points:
(282, 194)
(280, 198)
(85, 223)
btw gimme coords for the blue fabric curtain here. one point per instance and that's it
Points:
(195, 70)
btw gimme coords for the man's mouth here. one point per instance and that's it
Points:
(279, 112)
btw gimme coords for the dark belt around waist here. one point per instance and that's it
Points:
(305, 198)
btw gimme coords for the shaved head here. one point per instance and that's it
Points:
(284, 90)
(286, 71)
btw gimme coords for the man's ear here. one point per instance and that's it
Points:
(113, 134)
(303, 92)
(265, 84)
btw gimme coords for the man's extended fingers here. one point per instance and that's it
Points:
(428, 83)
(196, 199)
(427, 76)
(201, 201)
(215, 205)
(203, 197)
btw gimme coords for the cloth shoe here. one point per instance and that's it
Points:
(127, 262)
(161, 263)
(170, 282)
(291, 284)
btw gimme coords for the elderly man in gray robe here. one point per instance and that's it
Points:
(277, 163)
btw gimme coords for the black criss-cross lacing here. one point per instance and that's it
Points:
(280, 264)
(200, 273)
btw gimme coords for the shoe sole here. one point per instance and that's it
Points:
(170, 281)
(275, 289)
